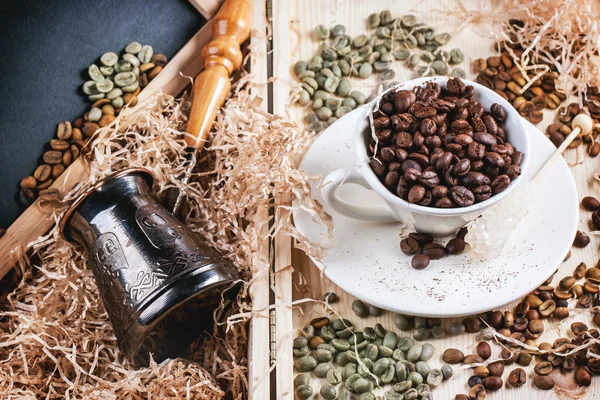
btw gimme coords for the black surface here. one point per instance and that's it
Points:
(46, 47)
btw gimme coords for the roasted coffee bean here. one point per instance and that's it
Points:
(581, 240)
(578, 328)
(453, 356)
(439, 191)
(547, 308)
(455, 246)
(421, 238)
(429, 179)
(583, 377)
(585, 301)
(472, 324)
(500, 183)
(484, 350)
(420, 261)
(409, 246)
(492, 383)
(590, 203)
(462, 196)
(404, 99)
(543, 382)
(496, 368)
(434, 251)
(477, 392)
(475, 380)
(482, 192)
(589, 287)
(543, 368)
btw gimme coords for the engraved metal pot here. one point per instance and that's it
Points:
(158, 281)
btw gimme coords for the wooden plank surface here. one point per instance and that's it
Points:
(208, 8)
(303, 16)
(259, 342)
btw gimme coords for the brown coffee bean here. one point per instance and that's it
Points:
(462, 196)
(315, 341)
(409, 246)
(463, 139)
(485, 138)
(539, 102)
(420, 261)
(517, 377)
(52, 157)
(403, 99)
(42, 173)
(159, 59)
(75, 151)
(434, 251)
(481, 372)
(64, 130)
(524, 358)
(45, 184)
(461, 397)
(493, 383)
(429, 179)
(583, 377)
(377, 166)
(589, 287)
(500, 183)
(455, 246)
(476, 151)
(593, 274)
(416, 194)
(57, 170)
(106, 119)
(479, 65)
(567, 282)
(57, 144)
(477, 392)
(130, 99)
(535, 116)
(439, 191)
(536, 326)
(26, 197)
(320, 322)
(547, 308)
(154, 72)
(421, 238)
(496, 368)
(453, 356)
(484, 350)
(580, 270)
(585, 301)
(594, 149)
(472, 324)
(494, 159)
(512, 171)
(590, 203)
(543, 382)
(67, 158)
(578, 328)
(498, 112)
(89, 128)
(28, 183)
(581, 240)
(562, 295)
(543, 368)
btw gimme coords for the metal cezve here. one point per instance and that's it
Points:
(157, 280)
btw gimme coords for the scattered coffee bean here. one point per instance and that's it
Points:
(453, 356)
(420, 261)
(581, 240)
(360, 309)
(590, 203)
(543, 382)
(484, 350)
(517, 377)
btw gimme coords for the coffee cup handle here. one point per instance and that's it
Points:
(364, 213)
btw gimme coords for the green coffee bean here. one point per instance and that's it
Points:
(328, 392)
(428, 33)
(420, 322)
(380, 365)
(344, 333)
(398, 355)
(391, 395)
(304, 392)
(458, 73)
(427, 351)
(309, 331)
(401, 371)
(385, 351)
(439, 67)
(385, 17)
(456, 328)
(301, 351)
(338, 30)
(349, 382)
(438, 332)
(345, 67)
(387, 57)
(358, 337)
(410, 42)
(367, 396)
(411, 394)
(334, 377)
(145, 54)
(421, 334)
(133, 48)
(447, 371)
(409, 21)
(300, 341)
(333, 104)
(340, 112)
(113, 94)
(416, 378)
(359, 308)
(401, 322)
(104, 86)
(383, 32)
(305, 364)
(314, 66)
(405, 343)
(349, 370)
(336, 71)
(361, 345)
(131, 88)
(379, 330)
(427, 57)
(442, 38)
(106, 71)
(420, 39)
(131, 59)
(302, 380)
(322, 369)
(95, 114)
(340, 323)
(344, 394)
(365, 51)
(95, 74)
(423, 390)
(339, 42)
(308, 88)
(123, 66)
(414, 352)
(306, 74)
(341, 359)
(327, 332)
(373, 57)
(390, 339)
(329, 54)
(423, 368)
(365, 70)
(331, 84)
(124, 79)
(321, 32)
(109, 59)
(388, 374)
(380, 48)
(435, 377)
(360, 41)
(349, 102)
(117, 102)
(362, 385)
(304, 97)
(402, 386)
(374, 21)
(371, 351)
(344, 87)
(360, 98)
(312, 82)
(328, 347)
(89, 88)
(341, 344)
(413, 61)
(321, 80)
(299, 68)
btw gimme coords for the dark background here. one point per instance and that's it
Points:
(46, 47)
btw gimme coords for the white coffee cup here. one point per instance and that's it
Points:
(424, 219)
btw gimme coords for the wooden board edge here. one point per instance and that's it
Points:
(208, 8)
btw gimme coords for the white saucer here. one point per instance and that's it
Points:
(365, 258)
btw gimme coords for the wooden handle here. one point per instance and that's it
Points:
(222, 56)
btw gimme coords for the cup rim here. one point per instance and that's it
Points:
(383, 191)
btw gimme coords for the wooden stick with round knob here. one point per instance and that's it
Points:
(222, 56)
(582, 123)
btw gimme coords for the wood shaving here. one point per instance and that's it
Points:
(55, 337)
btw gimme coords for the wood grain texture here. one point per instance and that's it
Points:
(475, 42)
(283, 242)
(208, 8)
(39, 217)
(222, 55)
(259, 343)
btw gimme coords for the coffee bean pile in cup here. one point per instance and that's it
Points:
(423, 249)
(440, 148)
(113, 85)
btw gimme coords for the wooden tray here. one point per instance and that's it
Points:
(293, 41)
